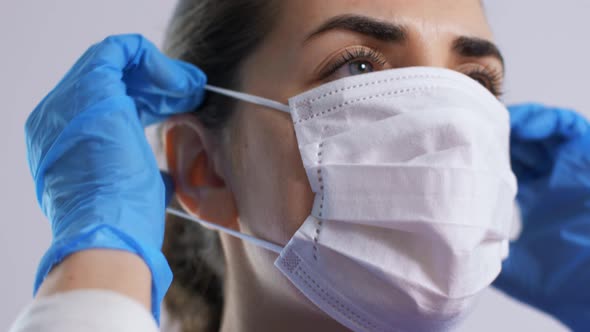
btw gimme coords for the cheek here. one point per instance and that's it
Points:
(272, 193)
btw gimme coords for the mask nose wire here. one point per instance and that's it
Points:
(249, 98)
(256, 241)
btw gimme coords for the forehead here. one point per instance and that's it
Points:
(450, 17)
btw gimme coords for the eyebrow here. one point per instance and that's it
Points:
(379, 30)
(391, 32)
(477, 47)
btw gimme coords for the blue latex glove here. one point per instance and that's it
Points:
(549, 264)
(96, 177)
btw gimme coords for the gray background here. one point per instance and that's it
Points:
(545, 43)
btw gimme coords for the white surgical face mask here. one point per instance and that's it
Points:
(413, 197)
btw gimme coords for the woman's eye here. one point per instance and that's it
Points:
(360, 67)
(484, 81)
(352, 68)
(489, 77)
(492, 82)
(354, 61)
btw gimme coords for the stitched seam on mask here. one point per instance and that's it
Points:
(334, 302)
(350, 102)
(320, 214)
(369, 84)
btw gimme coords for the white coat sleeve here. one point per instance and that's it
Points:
(87, 311)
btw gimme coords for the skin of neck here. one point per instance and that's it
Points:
(250, 305)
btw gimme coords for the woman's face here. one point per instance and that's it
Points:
(314, 42)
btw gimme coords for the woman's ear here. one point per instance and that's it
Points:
(190, 153)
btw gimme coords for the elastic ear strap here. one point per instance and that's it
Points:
(256, 241)
(249, 98)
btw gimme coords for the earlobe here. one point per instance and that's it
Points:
(199, 189)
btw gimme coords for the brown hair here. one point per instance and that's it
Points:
(216, 36)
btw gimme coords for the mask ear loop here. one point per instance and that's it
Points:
(253, 100)
(258, 242)
(249, 98)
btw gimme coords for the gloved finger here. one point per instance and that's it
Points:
(537, 122)
(528, 181)
(169, 185)
(160, 86)
(156, 105)
(531, 156)
(524, 173)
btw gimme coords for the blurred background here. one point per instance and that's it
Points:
(545, 44)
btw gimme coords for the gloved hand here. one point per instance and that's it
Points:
(96, 177)
(549, 264)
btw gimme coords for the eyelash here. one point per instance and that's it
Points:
(350, 55)
(493, 78)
